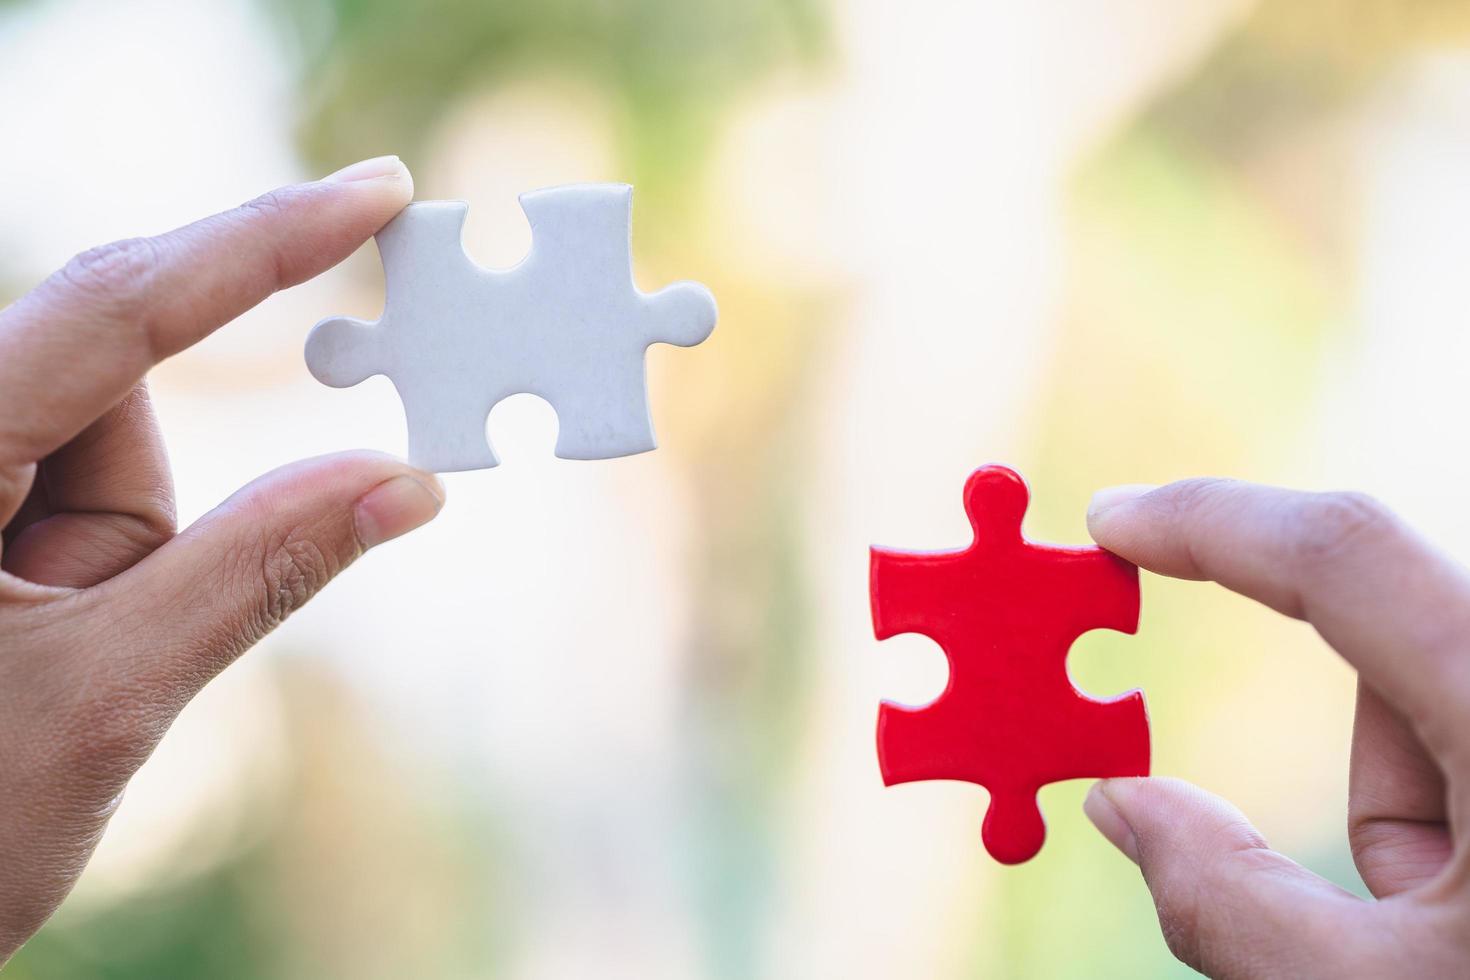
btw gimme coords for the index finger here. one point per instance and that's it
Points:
(1394, 606)
(73, 347)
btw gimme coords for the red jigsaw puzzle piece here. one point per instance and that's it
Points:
(1006, 612)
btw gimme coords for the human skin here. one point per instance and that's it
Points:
(1396, 609)
(110, 622)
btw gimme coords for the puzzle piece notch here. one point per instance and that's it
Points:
(1006, 612)
(566, 324)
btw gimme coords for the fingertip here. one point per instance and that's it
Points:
(1169, 811)
(324, 485)
(1110, 821)
(1110, 503)
(1221, 894)
(385, 182)
(396, 506)
(1141, 523)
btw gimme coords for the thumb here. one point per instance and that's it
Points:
(1228, 905)
(216, 589)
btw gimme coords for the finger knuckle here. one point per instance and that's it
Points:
(150, 528)
(293, 568)
(1367, 830)
(270, 207)
(274, 203)
(1199, 494)
(119, 275)
(1178, 915)
(1202, 920)
(1332, 525)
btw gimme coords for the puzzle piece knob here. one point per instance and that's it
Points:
(342, 352)
(996, 498)
(1014, 829)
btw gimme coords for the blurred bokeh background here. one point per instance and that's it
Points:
(615, 719)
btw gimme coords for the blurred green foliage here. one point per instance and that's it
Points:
(379, 73)
(209, 927)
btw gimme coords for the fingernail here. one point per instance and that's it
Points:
(396, 507)
(387, 166)
(1109, 497)
(1109, 821)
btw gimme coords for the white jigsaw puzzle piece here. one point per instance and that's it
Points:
(567, 324)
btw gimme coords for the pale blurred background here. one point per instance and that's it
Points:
(615, 719)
